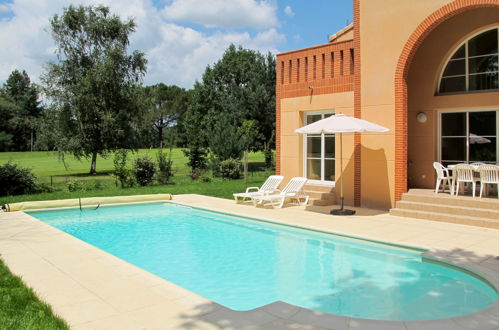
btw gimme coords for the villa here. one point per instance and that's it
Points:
(427, 70)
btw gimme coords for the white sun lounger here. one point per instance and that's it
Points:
(270, 186)
(292, 191)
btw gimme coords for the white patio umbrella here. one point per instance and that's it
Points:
(339, 124)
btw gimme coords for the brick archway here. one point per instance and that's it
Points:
(412, 45)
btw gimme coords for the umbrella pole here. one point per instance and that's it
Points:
(341, 210)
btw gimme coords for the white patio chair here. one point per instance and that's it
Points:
(270, 186)
(464, 174)
(443, 177)
(489, 174)
(293, 191)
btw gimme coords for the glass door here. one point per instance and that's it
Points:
(319, 151)
(469, 137)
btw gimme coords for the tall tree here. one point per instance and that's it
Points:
(165, 107)
(239, 87)
(7, 112)
(19, 90)
(94, 85)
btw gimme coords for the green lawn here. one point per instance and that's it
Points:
(49, 169)
(20, 308)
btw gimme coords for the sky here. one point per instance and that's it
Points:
(179, 37)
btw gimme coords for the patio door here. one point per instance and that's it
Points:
(469, 137)
(319, 152)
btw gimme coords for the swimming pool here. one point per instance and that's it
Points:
(244, 264)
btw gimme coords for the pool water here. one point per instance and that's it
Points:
(244, 264)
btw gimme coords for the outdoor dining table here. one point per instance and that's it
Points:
(451, 167)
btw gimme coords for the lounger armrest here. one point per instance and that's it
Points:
(252, 188)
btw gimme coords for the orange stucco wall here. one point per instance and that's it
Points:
(399, 41)
(385, 26)
(292, 117)
(423, 83)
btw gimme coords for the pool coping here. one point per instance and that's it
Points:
(36, 236)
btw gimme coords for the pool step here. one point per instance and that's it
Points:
(424, 204)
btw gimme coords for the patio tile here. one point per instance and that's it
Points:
(363, 324)
(319, 319)
(445, 324)
(286, 325)
(478, 321)
(229, 319)
(87, 311)
(117, 322)
(170, 290)
(281, 309)
(158, 316)
(197, 305)
(129, 300)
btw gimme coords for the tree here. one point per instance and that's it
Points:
(165, 107)
(7, 112)
(239, 87)
(95, 84)
(248, 133)
(20, 91)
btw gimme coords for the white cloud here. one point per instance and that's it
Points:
(4, 8)
(258, 14)
(176, 54)
(289, 11)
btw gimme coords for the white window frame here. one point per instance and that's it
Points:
(323, 144)
(466, 59)
(439, 129)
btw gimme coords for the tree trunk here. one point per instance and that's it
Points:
(160, 137)
(245, 165)
(94, 163)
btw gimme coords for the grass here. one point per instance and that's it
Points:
(49, 169)
(20, 308)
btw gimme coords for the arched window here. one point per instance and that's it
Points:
(473, 66)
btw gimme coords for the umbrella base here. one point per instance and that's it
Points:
(342, 212)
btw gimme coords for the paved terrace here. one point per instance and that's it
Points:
(92, 289)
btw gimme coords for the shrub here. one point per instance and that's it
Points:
(44, 188)
(197, 160)
(230, 169)
(16, 180)
(165, 169)
(144, 170)
(121, 173)
(205, 178)
(74, 185)
(95, 185)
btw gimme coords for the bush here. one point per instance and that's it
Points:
(165, 169)
(230, 169)
(197, 160)
(16, 180)
(95, 185)
(74, 185)
(205, 178)
(144, 170)
(121, 173)
(44, 188)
